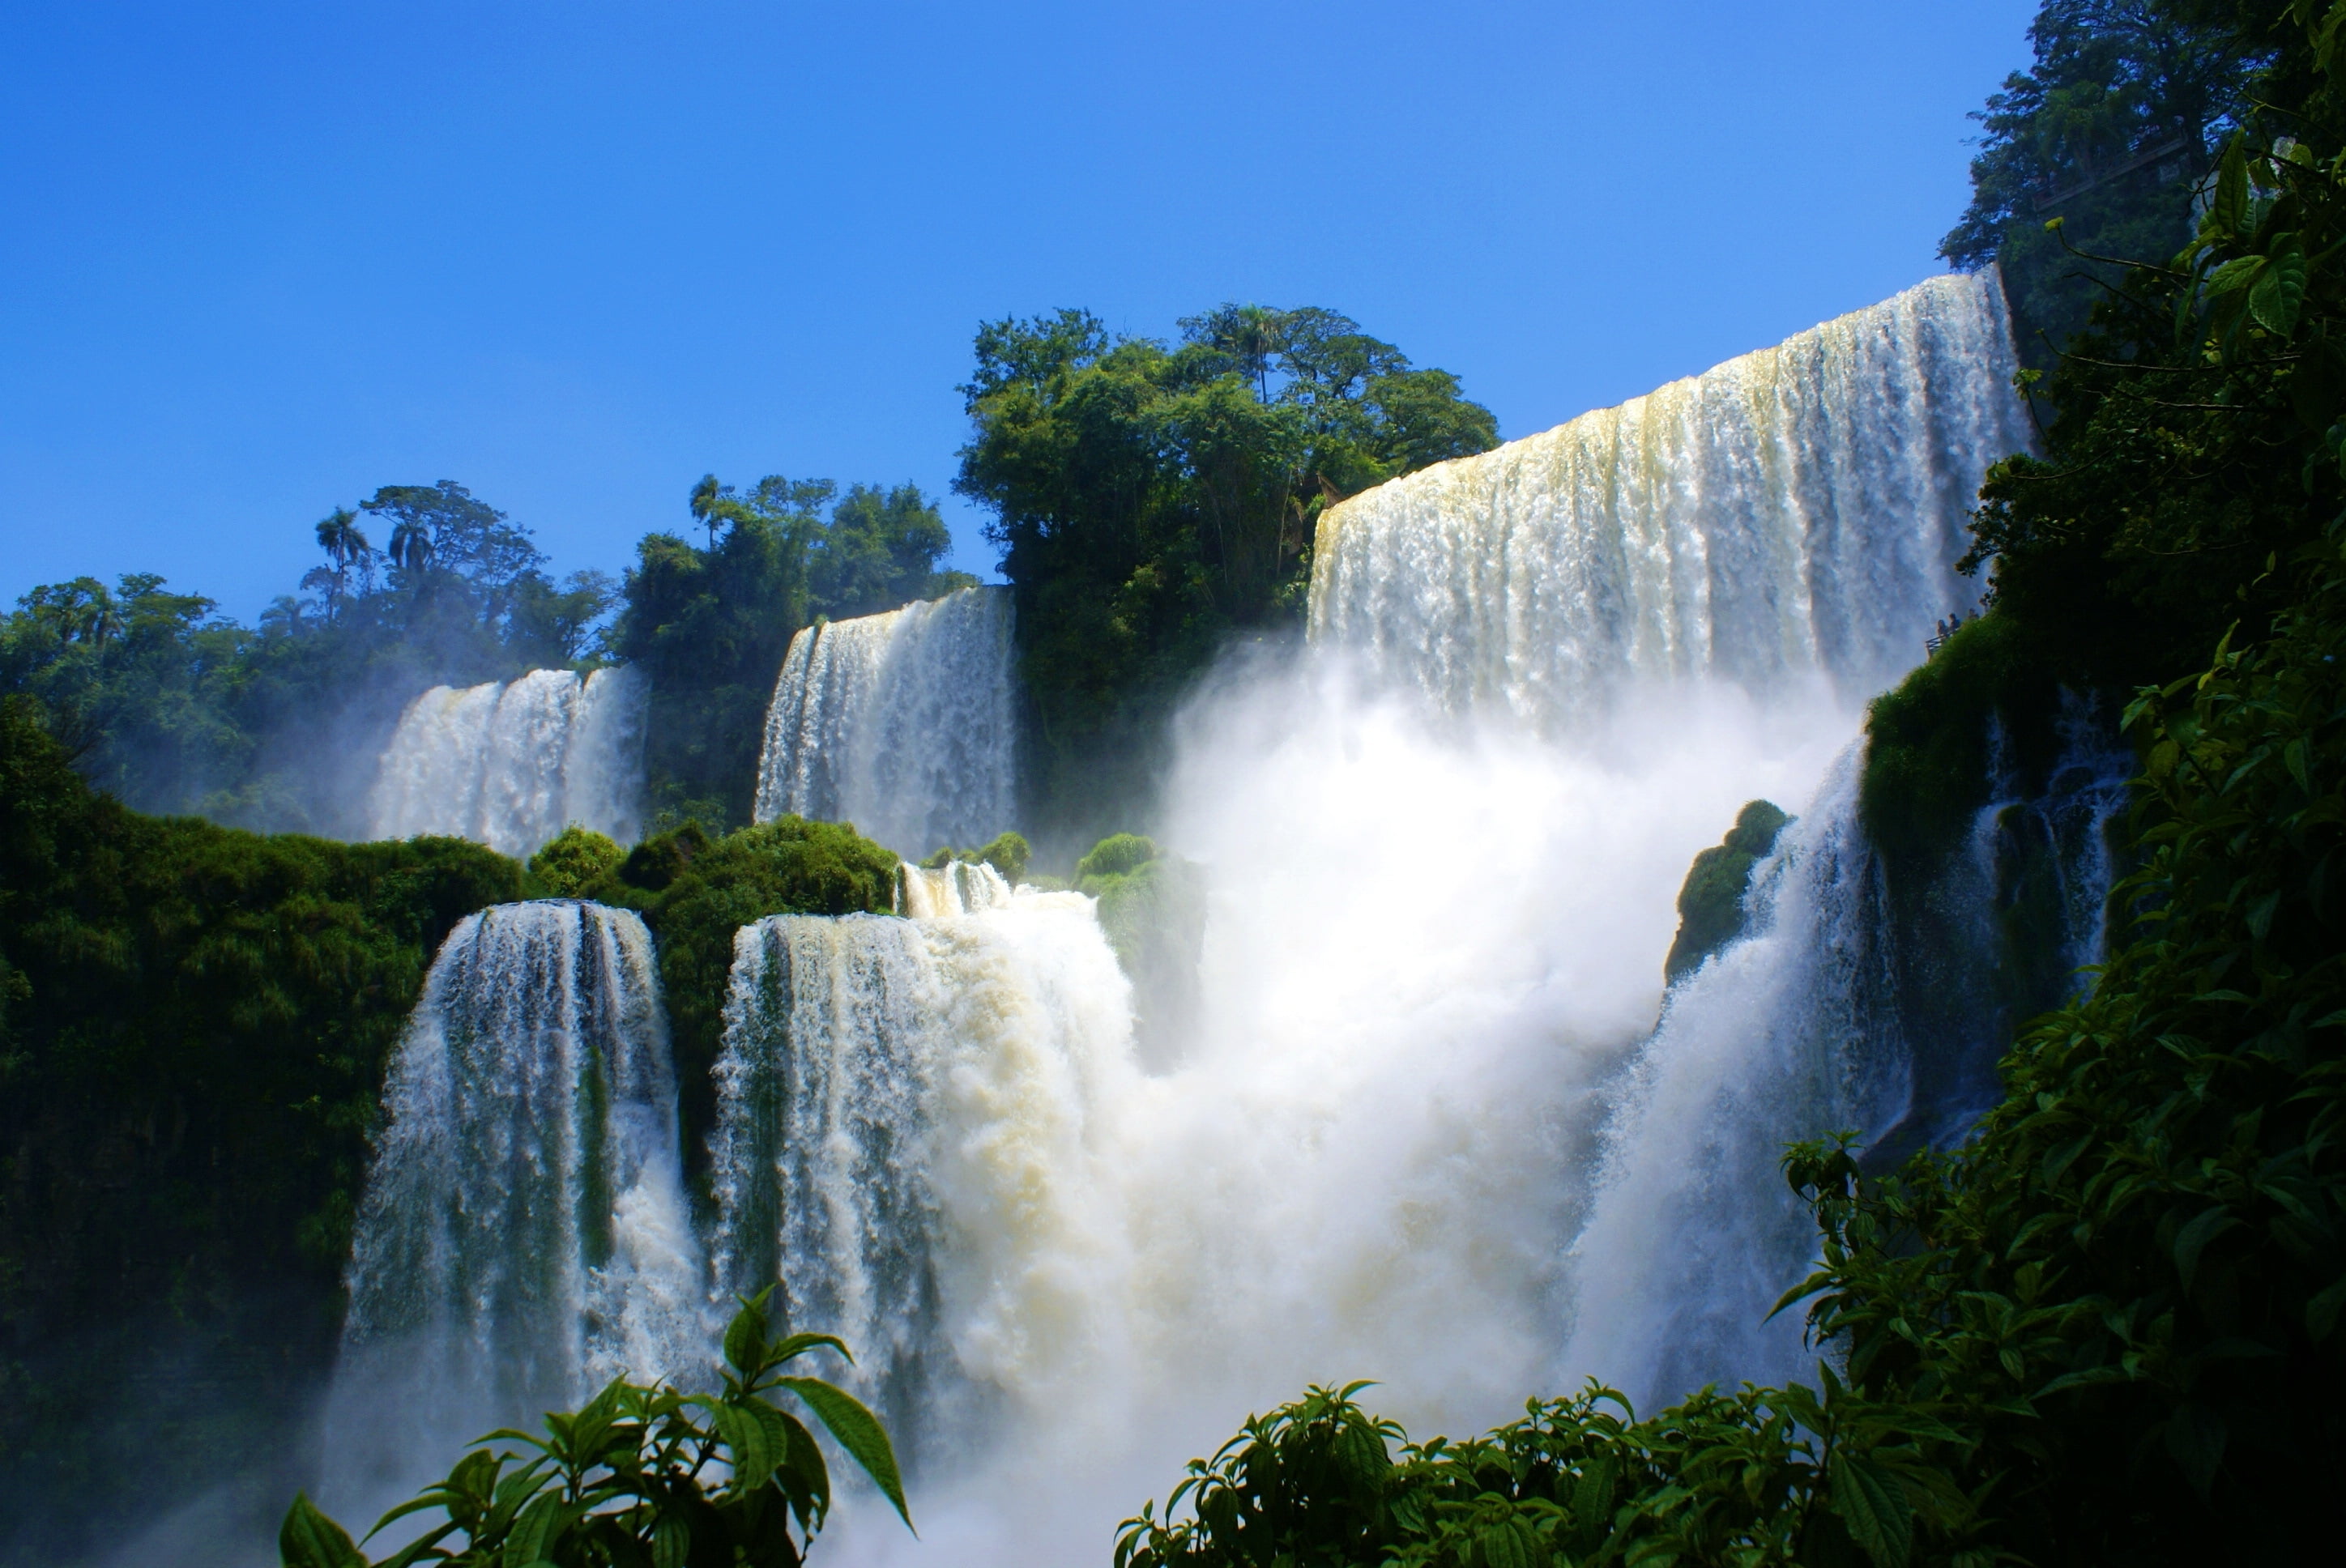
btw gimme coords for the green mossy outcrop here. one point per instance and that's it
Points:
(1152, 905)
(695, 891)
(1710, 903)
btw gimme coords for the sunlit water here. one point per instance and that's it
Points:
(1424, 1128)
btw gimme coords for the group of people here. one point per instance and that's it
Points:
(1948, 624)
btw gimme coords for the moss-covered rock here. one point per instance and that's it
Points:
(1008, 854)
(1929, 762)
(1710, 903)
(695, 891)
(1152, 906)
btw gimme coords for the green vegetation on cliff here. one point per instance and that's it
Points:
(194, 1026)
(695, 891)
(1152, 499)
(1710, 902)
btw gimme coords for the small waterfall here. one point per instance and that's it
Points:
(905, 1143)
(1792, 515)
(1839, 1011)
(524, 1235)
(901, 723)
(510, 766)
(1791, 1032)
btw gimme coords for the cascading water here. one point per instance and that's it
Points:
(1792, 514)
(905, 1111)
(510, 766)
(524, 1235)
(901, 723)
(1424, 1128)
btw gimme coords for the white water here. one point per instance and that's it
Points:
(908, 1140)
(1790, 516)
(901, 723)
(1424, 1129)
(524, 1235)
(510, 766)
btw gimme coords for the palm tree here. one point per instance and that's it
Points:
(711, 504)
(345, 546)
(411, 545)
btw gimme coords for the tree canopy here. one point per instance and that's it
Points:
(1150, 498)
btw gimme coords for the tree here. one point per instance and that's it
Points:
(346, 550)
(879, 551)
(1151, 499)
(2111, 130)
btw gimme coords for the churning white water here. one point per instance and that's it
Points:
(510, 766)
(524, 1235)
(1425, 1130)
(901, 723)
(909, 1139)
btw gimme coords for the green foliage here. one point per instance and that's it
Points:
(1152, 906)
(1763, 1476)
(194, 1026)
(573, 861)
(1928, 741)
(710, 626)
(643, 1476)
(695, 891)
(2111, 130)
(1151, 499)
(1007, 852)
(1711, 901)
(174, 708)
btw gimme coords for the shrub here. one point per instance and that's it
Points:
(572, 860)
(643, 1475)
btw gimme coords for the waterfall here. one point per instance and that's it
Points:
(1790, 516)
(1838, 1011)
(510, 766)
(523, 1236)
(903, 1142)
(901, 723)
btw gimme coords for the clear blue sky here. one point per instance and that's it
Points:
(256, 259)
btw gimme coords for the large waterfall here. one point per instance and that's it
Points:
(906, 1139)
(524, 1235)
(901, 723)
(1424, 1127)
(1790, 516)
(512, 764)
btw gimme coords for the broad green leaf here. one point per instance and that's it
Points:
(745, 1338)
(671, 1541)
(2321, 1312)
(1508, 1542)
(2278, 291)
(1873, 1505)
(2195, 1440)
(307, 1539)
(857, 1431)
(2194, 1238)
(2230, 208)
(798, 1345)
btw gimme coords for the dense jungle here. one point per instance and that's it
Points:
(2102, 1327)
